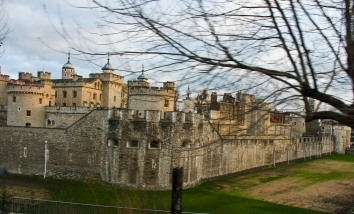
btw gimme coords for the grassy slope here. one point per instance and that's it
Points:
(228, 195)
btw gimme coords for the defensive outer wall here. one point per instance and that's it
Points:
(139, 151)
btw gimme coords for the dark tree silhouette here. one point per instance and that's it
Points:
(289, 50)
(4, 28)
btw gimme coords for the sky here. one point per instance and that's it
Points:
(34, 45)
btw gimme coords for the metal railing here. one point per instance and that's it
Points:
(35, 206)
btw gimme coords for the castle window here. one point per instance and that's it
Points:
(74, 104)
(133, 144)
(28, 124)
(113, 142)
(94, 96)
(64, 75)
(114, 98)
(95, 85)
(28, 113)
(13, 99)
(186, 144)
(197, 144)
(40, 100)
(53, 122)
(50, 103)
(74, 94)
(294, 123)
(56, 94)
(153, 127)
(100, 97)
(154, 144)
(24, 152)
(166, 103)
(48, 122)
(64, 94)
(47, 95)
(64, 104)
(19, 109)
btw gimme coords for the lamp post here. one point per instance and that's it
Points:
(45, 157)
(275, 149)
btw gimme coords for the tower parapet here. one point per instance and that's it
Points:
(5, 78)
(43, 75)
(108, 77)
(169, 85)
(26, 76)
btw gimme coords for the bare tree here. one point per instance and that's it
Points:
(4, 29)
(294, 49)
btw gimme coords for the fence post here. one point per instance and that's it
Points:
(177, 181)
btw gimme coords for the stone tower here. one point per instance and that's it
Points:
(143, 97)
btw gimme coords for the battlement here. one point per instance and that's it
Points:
(156, 116)
(26, 76)
(68, 83)
(168, 84)
(67, 109)
(107, 77)
(43, 75)
(151, 91)
(4, 77)
(137, 83)
(26, 89)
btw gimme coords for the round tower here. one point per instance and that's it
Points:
(68, 70)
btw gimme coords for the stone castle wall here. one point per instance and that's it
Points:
(3, 115)
(63, 117)
(109, 145)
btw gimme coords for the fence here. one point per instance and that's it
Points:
(34, 206)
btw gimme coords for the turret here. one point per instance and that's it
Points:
(68, 70)
(107, 68)
(41, 75)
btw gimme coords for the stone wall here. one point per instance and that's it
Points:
(109, 145)
(3, 115)
(63, 117)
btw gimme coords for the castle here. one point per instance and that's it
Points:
(131, 134)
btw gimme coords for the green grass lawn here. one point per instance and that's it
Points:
(227, 195)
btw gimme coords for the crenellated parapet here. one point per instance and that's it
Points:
(104, 77)
(43, 75)
(137, 83)
(67, 109)
(25, 89)
(156, 116)
(151, 91)
(68, 83)
(5, 78)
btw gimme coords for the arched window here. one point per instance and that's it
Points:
(53, 122)
(49, 122)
